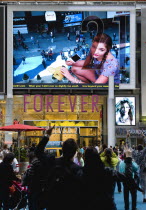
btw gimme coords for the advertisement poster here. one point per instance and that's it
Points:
(125, 110)
(70, 49)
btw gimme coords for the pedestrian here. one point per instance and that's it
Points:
(50, 54)
(83, 42)
(114, 36)
(69, 52)
(19, 34)
(62, 54)
(68, 36)
(78, 159)
(66, 185)
(44, 63)
(110, 159)
(43, 53)
(126, 60)
(23, 60)
(98, 181)
(142, 171)
(36, 175)
(32, 40)
(52, 37)
(129, 167)
(116, 51)
(7, 175)
(33, 147)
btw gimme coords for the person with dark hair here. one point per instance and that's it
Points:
(69, 148)
(59, 177)
(33, 147)
(142, 171)
(102, 148)
(7, 175)
(125, 112)
(98, 182)
(129, 168)
(109, 158)
(68, 187)
(98, 66)
(136, 154)
(36, 175)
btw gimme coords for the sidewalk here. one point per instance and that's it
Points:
(120, 200)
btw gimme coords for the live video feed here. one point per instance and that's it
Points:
(54, 48)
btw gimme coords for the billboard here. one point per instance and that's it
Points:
(125, 111)
(2, 47)
(80, 49)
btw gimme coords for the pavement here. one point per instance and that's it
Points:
(119, 199)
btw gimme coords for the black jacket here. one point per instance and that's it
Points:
(68, 196)
(7, 175)
(36, 175)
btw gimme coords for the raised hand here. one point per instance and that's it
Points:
(128, 151)
(49, 130)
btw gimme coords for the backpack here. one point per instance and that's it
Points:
(128, 168)
(59, 177)
(63, 186)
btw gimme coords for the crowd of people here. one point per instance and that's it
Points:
(81, 178)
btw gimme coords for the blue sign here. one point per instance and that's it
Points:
(52, 144)
(73, 18)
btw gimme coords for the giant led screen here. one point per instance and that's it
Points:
(2, 49)
(70, 49)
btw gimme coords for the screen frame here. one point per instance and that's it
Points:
(2, 44)
(135, 112)
(66, 7)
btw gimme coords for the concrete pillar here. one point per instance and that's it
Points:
(143, 62)
(111, 112)
(9, 120)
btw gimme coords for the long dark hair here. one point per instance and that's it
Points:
(108, 155)
(105, 39)
(130, 111)
(93, 163)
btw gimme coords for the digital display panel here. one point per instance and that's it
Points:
(72, 18)
(42, 56)
(125, 110)
(2, 48)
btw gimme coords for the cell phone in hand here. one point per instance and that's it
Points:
(75, 57)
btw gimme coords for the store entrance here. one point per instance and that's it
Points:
(88, 141)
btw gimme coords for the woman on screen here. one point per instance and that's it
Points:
(98, 66)
(125, 113)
